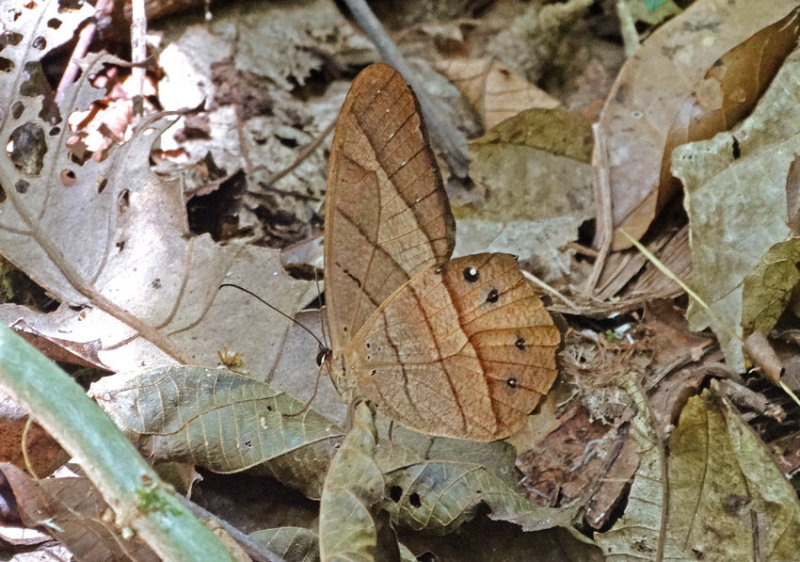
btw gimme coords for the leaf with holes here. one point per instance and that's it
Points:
(110, 239)
(439, 496)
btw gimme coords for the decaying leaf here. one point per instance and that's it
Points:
(72, 510)
(44, 453)
(352, 524)
(121, 306)
(735, 196)
(768, 287)
(533, 189)
(728, 499)
(220, 420)
(718, 495)
(640, 531)
(644, 104)
(286, 43)
(494, 90)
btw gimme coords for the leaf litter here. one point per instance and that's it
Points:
(605, 469)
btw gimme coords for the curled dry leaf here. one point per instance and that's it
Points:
(72, 510)
(641, 527)
(768, 287)
(643, 105)
(352, 523)
(728, 499)
(735, 197)
(494, 90)
(220, 420)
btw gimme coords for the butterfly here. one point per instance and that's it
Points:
(452, 347)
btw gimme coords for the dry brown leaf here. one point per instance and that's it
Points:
(44, 453)
(71, 509)
(493, 89)
(652, 88)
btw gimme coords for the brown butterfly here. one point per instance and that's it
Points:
(453, 347)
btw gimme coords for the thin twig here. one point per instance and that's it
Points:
(602, 201)
(305, 152)
(102, 9)
(138, 44)
(535, 280)
(450, 141)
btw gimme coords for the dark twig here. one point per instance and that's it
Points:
(256, 551)
(450, 141)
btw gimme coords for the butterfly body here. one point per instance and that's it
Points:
(458, 347)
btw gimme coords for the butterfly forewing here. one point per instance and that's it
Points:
(464, 350)
(387, 216)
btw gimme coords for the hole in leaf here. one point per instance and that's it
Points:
(395, 492)
(54, 23)
(9, 38)
(21, 186)
(124, 201)
(17, 109)
(39, 43)
(68, 177)
(415, 500)
(289, 143)
(26, 148)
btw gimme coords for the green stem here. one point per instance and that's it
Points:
(141, 502)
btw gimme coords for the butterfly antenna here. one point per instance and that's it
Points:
(262, 301)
